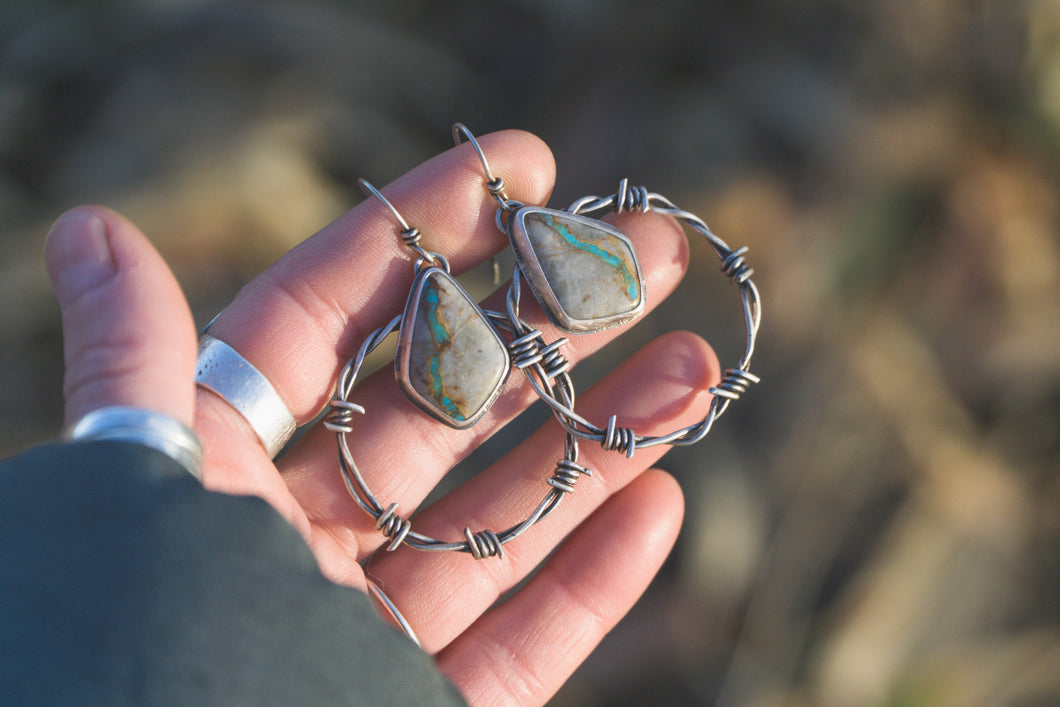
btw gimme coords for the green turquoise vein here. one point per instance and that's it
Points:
(614, 261)
(442, 342)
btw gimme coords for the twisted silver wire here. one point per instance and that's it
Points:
(547, 369)
(541, 362)
(735, 266)
(629, 198)
(393, 526)
(398, 529)
(733, 384)
(484, 543)
(621, 439)
(526, 350)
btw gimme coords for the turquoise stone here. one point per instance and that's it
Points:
(583, 271)
(450, 361)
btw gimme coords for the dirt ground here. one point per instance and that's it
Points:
(877, 522)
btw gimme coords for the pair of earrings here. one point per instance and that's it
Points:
(452, 362)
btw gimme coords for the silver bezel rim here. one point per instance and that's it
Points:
(403, 354)
(530, 266)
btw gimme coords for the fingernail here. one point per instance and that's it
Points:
(77, 251)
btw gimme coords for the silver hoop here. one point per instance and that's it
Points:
(734, 382)
(627, 199)
(398, 530)
(222, 370)
(144, 427)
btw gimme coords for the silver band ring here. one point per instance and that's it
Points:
(139, 426)
(224, 371)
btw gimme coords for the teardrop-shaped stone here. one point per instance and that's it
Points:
(583, 271)
(450, 361)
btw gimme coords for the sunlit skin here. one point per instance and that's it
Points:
(130, 339)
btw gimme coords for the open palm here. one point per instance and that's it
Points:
(130, 340)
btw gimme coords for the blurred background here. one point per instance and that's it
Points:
(877, 522)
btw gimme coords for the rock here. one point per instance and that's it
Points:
(450, 361)
(582, 271)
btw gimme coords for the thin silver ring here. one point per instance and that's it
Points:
(390, 609)
(224, 371)
(156, 430)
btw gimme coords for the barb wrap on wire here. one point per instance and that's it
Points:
(734, 383)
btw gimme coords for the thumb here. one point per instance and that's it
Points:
(128, 335)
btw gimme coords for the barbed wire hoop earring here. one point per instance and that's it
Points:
(735, 381)
(432, 272)
(627, 199)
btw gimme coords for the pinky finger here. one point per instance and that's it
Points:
(523, 650)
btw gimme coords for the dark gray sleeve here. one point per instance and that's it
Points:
(123, 582)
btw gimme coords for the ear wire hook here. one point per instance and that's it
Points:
(459, 129)
(369, 190)
(410, 235)
(495, 185)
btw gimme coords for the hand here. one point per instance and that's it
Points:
(129, 339)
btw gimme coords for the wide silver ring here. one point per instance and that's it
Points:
(224, 371)
(139, 426)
